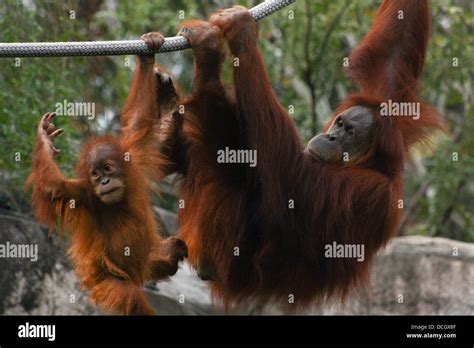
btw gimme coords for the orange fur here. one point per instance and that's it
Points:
(115, 248)
(228, 206)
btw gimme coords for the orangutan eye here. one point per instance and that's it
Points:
(339, 122)
(107, 168)
(349, 130)
(95, 173)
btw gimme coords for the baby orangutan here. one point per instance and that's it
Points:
(107, 209)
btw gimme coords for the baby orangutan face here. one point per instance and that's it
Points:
(106, 173)
(348, 138)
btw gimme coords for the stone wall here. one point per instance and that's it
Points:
(418, 275)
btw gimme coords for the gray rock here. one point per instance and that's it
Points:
(45, 286)
(167, 221)
(418, 275)
(48, 285)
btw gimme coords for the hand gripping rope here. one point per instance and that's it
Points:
(115, 48)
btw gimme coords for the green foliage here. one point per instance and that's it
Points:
(447, 207)
(29, 88)
(304, 46)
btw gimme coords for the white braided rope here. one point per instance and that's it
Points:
(115, 48)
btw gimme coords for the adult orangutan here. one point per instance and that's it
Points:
(262, 233)
(107, 210)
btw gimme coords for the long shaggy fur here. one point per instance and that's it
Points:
(227, 206)
(115, 248)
